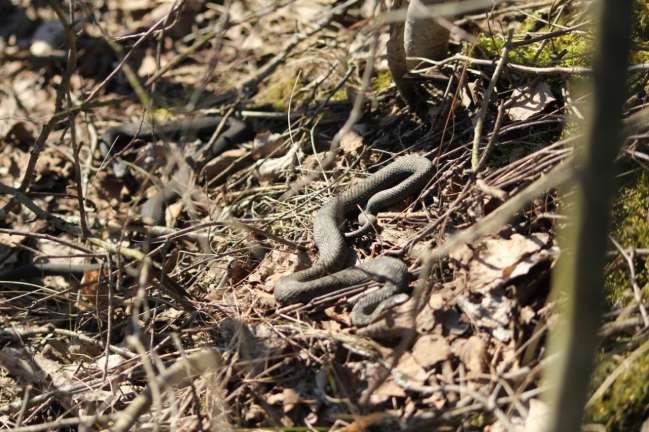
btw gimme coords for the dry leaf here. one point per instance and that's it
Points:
(472, 352)
(490, 265)
(131, 5)
(275, 398)
(438, 399)
(495, 261)
(351, 143)
(254, 413)
(426, 317)
(468, 94)
(21, 365)
(61, 376)
(308, 11)
(388, 389)
(114, 361)
(288, 398)
(528, 101)
(493, 312)
(148, 65)
(430, 349)
(277, 263)
(537, 417)
(527, 314)
(536, 421)
(411, 369)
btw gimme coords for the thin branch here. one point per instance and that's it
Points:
(477, 132)
(637, 293)
(579, 273)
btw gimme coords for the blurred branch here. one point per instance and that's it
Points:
(180, 373)
(579, 275)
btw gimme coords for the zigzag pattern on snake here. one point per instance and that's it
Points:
(405, 176)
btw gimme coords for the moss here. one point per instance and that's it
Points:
(278, 94)
(630, 229)
(566, 50)
(340, 95)
(479, 421)
(640, 35)
(161, 115)
(641, 24)
(381, 81)
(624, 405)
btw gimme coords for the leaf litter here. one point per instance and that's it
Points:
(95, 342)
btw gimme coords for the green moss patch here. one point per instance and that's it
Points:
(381, 81)
(624, 405)
(278, 94)
(567, 50)
(630, 229)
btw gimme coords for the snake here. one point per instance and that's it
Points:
(335, 269)
(117, 137)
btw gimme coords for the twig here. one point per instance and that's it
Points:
(622, 368)
(492, 139)
(477, 132)
(180, 373)
(20, 197)
(491, 223)
(63, 423)
(19, 333)
(33, 158)
(71, 65)
(47, 237)
(550, 70)
(354, 115)
(637, 293)
(123, 60)
(260, 232)
(168, 284)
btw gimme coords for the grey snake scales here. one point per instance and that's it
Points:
(335, 268)
(405, 176)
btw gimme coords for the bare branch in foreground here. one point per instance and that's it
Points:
(579, 276)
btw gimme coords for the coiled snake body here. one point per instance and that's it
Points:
(390, 185)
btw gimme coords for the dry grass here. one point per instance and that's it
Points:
(75, 352)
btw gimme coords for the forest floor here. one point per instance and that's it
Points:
(107, 341)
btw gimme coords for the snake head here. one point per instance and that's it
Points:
(366, 221)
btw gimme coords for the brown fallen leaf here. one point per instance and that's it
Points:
(277, 263)
(430, 350)
(291, 399)
(362, 424)
(411, 369)
(390, 389)
(351, 143)
(472, 352)
(288, 398)
(93, 295)
(536, 421)
(438, 399)
(528, 101)
(495, 260)
(494, 312)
